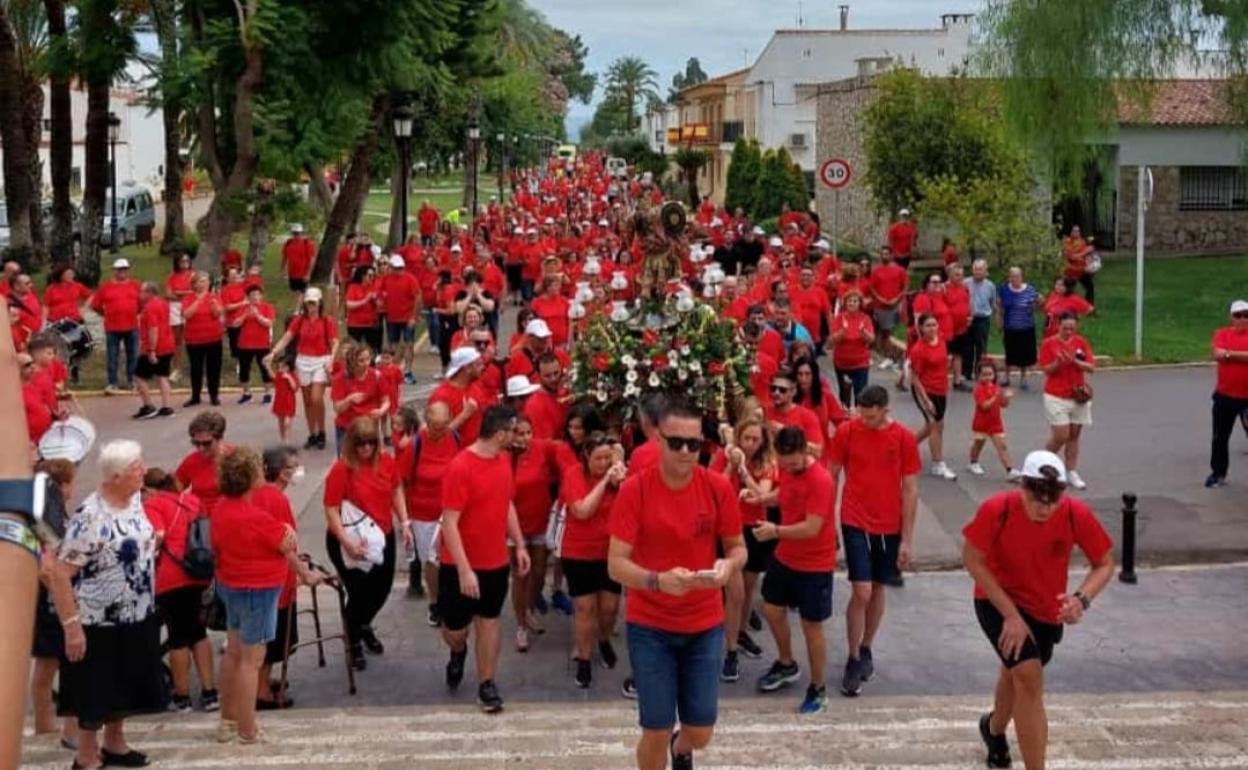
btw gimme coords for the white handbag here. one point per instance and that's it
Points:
(555, 527)
(1094, 264)
(360, 527)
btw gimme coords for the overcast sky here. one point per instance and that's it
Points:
(724, 34)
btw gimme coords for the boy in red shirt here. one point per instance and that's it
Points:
(1018, 550)
(800, 574)
(391, 386)
(986, 424)
(156, 346)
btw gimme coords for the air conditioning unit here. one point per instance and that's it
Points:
(797, 140)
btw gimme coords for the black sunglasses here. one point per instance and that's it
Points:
(677, 443)
(366, 442)
(1239, 315)
(780, 389)
(481, 344)
(202, 444)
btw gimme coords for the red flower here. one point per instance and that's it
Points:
(602, 362)
(659, 362)
(650, 337)
(716, 368)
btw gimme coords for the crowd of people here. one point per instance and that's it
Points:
(506, 481)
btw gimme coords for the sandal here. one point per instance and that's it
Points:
(131, 758)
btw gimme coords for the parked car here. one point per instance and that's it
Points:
(135, 210)
(46, 208)
(617, 168)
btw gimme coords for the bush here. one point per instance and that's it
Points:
(743, 172)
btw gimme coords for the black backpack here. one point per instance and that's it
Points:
(197, 560)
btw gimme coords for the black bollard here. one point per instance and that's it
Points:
(1127, 575)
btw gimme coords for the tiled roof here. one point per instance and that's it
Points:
(1180, 103)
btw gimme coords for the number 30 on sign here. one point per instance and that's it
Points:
(835, 173)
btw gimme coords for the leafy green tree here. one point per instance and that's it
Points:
(743, 169)
(19, 192)
(630, 82)
(798, 191)
(60, 70)
(772, 187)
(691, 161)
(692, 75)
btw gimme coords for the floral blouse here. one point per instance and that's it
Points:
(115, 552)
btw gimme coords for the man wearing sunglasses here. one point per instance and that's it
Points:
(1230, 396)
(666, 525)
(782, 412)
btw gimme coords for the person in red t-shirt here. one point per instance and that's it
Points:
(1063, 300)
(233, 296)
(298, 256)
(364, 482)
(178, 286)
(427, 219)
(852, 334)
(1018, 550)
(39, 414)
(281, 469)
(478, 518)
(536, 470)
(204, 326)
(880, 497)
(198, 470)
(1230, 394)
(285, 386)
(357, 392)
(961, 346)
(1066, 358)
(903, 238)
(64, 297)
(315, 339)
(254, 551)
(800, 574)
(156, 346)
(255, 334)
(784, 411)
(547, 408)
(117, 300)
(667, 525)
(886, 287)
(929, 362)
(987, 425)
(401, 300)
(458, 393)
(552, 307)
(363, 297)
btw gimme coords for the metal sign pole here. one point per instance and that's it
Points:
(1140, 206)
(836, 210)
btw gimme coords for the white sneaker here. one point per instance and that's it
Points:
(942, 471)
(1013, 475)
(886, 364)
(976, 469)
(1076, 480)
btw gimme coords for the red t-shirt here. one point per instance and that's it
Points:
(939, 308)
(546, 413)
(987, 419)
(675, 528)
(1232, 375)
(930, 364)
(172, 513)
(800, 417)
(299, 254)
(554, 311)
(246, 541)
(1031, 559)
(313, 337)
(284, 388)
(901, 237)
(535, 472)
(155, 315)
(521, 362)
(199, 474)
(751, 514)
(118, 302)
(809, 493)
(253, 335)
(234, 294)
(370, 487)
(64, 299)
(764, 369)
(38, 415)
(874, 463)
(586, 539)
(772, 344)
(428, 218)
(958, 299)
(274, 502)
(852, 352)
(810, 306)
(400, 292)
(369, 384)
(422, 485)
(1057, 304)
(1062, 382)
(204, 326)
(889, 281)
(481, 490)
(178, 285)
(644, 457)
(455, 397)
(365, 315)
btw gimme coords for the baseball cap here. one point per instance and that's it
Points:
(312, 294)
(456, 247)
(1239, 306)
(758, 231)
(548, 221)
(461, 357)
(396, 261)
(518, 231)
(775, 242)
(822, 243)
(296, 228)
(121, 263)
(904, 212)
(519, 385)
(1040, 459)
(537, 328)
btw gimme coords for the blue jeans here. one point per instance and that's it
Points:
(252, 612)
(676, 674)
(113, 341)
(431, 323)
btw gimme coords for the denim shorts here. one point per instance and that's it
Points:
(676, 675)
(252, 612)
(400, 332)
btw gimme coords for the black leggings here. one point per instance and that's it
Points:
(201, 356)
(449, 325)
(366, 591)
(1089, 288)
(245, 357)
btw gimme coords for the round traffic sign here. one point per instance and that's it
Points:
(835, 173)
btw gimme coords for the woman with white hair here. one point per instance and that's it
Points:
(103, 588)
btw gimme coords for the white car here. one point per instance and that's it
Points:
(617, 168)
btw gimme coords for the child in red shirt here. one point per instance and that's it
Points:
(285, 386)
(391, 385)
(986, 424)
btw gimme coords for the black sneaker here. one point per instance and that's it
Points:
(181, 704)
(679, 761)
(866, 666)
(215, 401)
(190, 403)
(584, 673)
(243, 399)
(607, 652)
(357, 657)
(311, 442)
(487, 695)
(145, 412)
(629, 688)
(998, 745)
(731, 671)
(455, 668)
(749, 648)
(268, 398)
(320, 441)
(165, 411)
(415, 589)
(755, 622)
(371, 642)
(779, 675)
(896, 581)
(209, 701)
(433, 617)
(851, 682)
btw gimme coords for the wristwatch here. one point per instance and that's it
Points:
(38, 502)
(1083, 599)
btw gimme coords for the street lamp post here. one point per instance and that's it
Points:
(502, 160)
(474, 140)
(114, 133)
(402, 117)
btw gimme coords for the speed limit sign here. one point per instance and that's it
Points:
(835, 173)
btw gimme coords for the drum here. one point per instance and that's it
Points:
(69, 439)
(75, 337)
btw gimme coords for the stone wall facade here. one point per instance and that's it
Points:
(840, 110)
(1166, 228)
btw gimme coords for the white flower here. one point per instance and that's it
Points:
(654, 380)
(695, 366)
(682, 374)
(685, 350)
(572, 372)
(672, 355)
(631, 376)
(602, 396)
(628, 360)
(631, 390)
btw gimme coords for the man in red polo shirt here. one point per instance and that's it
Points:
(118, 301)
(298, 256)
(537, 341)
(456, 391)
(800, 575)
(478, 519)
(811, 305)
(400, 296)
(880, 497)
(666, 526)
(156, 347)
(545, 408)
(1230, 393)
(428, 218)
(903, 237)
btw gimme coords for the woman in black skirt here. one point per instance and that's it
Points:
(103, 587)
(1018, 302)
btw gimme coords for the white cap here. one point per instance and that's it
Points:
(603, 223)
(456, 247)
(519, 385)
(775, 242)
(312, 294)
(758, 231)
(461, 357)
(1239, 306)
(518, 231)
(822, 243)
(396, 261)
(537, 328)
(1040, 459)
(121, 263)
(548, 221)
(533, 231)
(717, 222)
(296, 228)
(904, 212)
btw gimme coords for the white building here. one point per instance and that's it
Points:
(655, 123)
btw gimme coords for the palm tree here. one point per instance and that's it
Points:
(631, 81)
(61, 134)
(29, 28)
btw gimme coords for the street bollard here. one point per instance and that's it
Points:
(1127, 575)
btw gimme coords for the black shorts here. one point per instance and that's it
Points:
(144, 369)
(275, 650)
(297, 284)
(515, 277)
(179, 610)
(458, 610)
(870, 558)
(938, 404)
(49, 639)
(758, 555)
(1040, 647)
(810, 593)
(587, 576)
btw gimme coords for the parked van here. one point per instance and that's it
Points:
(135, 211)
(566, 151)
(617, 168)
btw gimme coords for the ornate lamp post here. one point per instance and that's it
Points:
(474, 141)
(402, 117)
(502, 160)
(114, 133)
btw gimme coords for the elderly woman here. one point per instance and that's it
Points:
(315, 339)
(254, 551)
(1017, 304)
(364, 481)
(203, 327)
(197, 472)
(103, 586)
